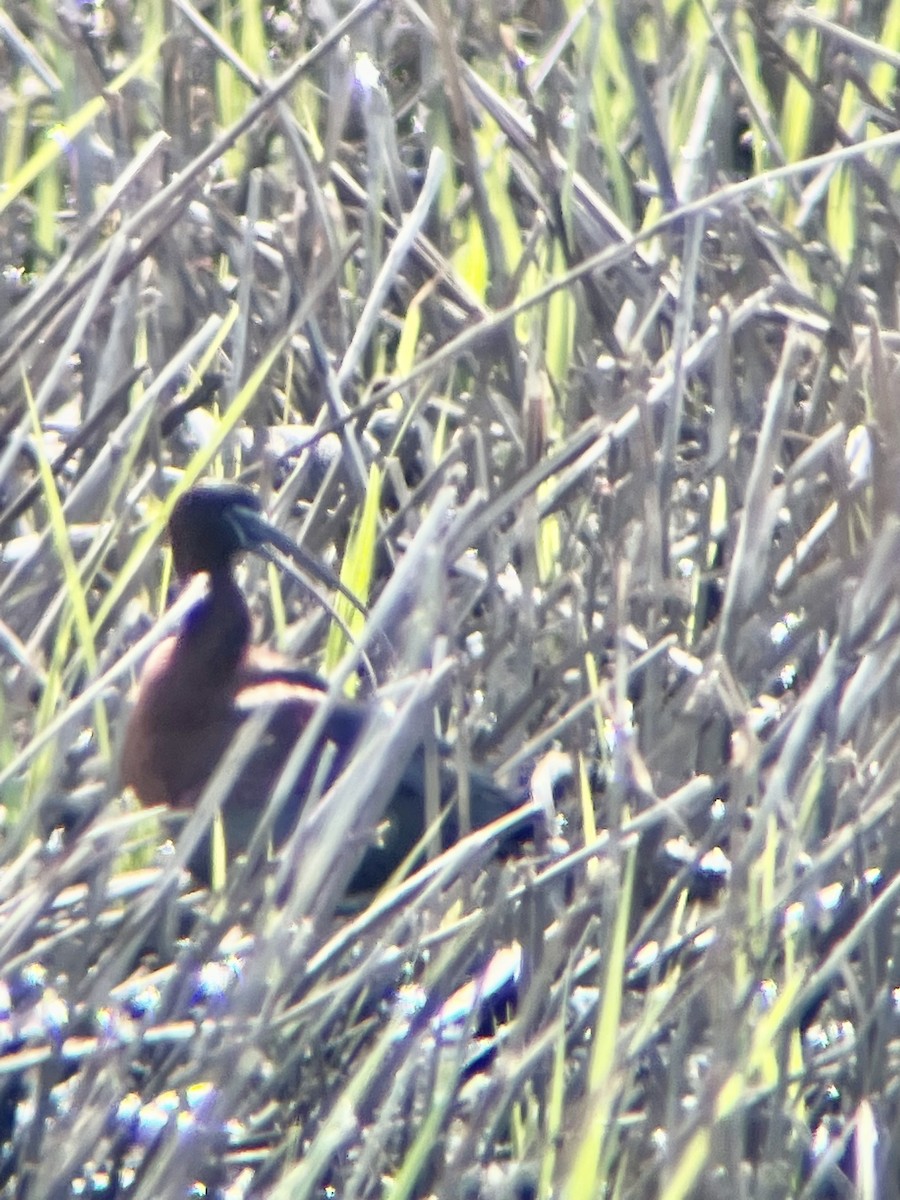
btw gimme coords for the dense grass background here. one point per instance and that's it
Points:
(568, 334)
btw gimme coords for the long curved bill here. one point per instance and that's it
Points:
(256, 533)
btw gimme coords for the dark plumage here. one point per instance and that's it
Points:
(198, 687)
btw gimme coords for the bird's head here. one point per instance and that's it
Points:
(211, 523)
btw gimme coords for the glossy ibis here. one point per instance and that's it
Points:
(199, 686)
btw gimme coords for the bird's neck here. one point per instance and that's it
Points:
(216, 632)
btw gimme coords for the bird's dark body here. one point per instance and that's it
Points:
(200, 686)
